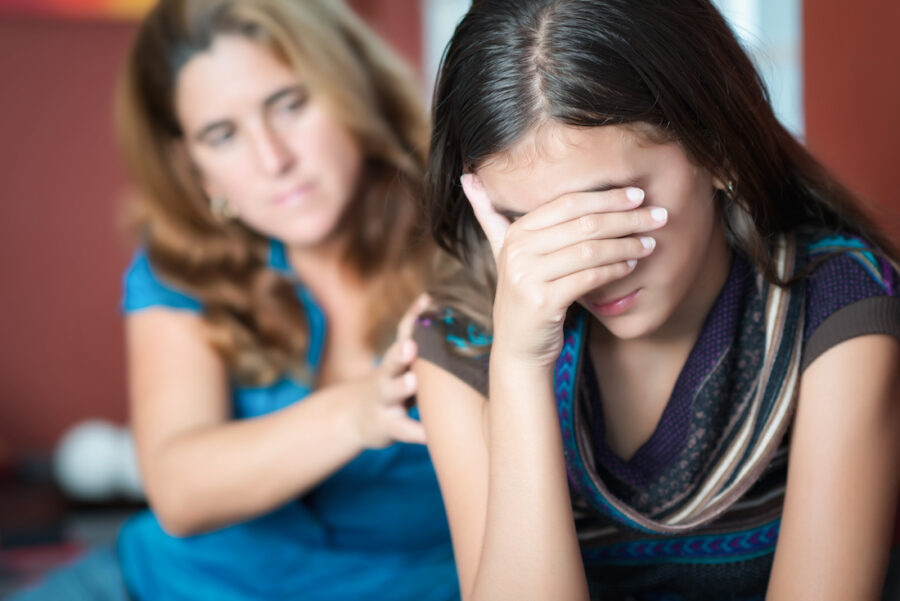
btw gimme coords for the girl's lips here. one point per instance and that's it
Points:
(617, 306)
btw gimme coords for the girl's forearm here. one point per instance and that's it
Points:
(530, 548)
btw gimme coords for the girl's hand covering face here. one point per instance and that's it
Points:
(555, 254)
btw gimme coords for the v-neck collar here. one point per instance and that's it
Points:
(671, 432)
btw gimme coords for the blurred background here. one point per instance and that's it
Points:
(832, 66)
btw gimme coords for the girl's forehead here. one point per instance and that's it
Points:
(555, 159)
(551, 142)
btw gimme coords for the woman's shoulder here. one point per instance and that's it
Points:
(456, 343)
(142, 288)
(852, 289)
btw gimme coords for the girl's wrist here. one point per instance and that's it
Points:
(515, 363)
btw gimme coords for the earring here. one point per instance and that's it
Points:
(729, 190)
(219, 206)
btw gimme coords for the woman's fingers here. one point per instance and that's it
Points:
(406, 429)
(408, 321)
(398, 357)
(492, 223)
(399, 388)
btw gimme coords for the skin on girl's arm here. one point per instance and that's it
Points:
(513, 532)
(455, 420)
(203, 470)
(843, 476)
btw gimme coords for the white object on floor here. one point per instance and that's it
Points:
(96, 461)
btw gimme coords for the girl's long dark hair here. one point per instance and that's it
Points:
(674, 65)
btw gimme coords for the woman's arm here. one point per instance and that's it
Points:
(203, 470)
(843, 476)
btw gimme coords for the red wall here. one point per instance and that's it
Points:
(399, 21)
(61, 256)
(60, 260)
(852, 71)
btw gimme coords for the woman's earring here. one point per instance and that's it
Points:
(220, 207)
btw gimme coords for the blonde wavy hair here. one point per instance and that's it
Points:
(253, 316)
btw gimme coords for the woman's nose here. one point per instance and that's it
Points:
(273, 155)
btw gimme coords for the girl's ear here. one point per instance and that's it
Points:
(724, 183)
(718, 184)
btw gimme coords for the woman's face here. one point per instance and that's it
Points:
(690, 253)
(265, 143)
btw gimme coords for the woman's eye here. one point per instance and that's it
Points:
(294, 104)
(219, 137)
(222, 139)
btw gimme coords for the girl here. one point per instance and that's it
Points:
(278, 150)
(681, 309)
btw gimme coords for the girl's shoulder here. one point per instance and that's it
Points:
(456, 343)
(852, 289)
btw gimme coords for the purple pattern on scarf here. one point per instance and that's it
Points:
(667, 440)
(836, 283)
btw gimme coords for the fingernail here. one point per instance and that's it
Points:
(648, 242)
(634, 194)
(409, 380)
(631, 263)
(659, 214)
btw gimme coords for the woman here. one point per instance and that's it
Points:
(681, 308)
(278, 150)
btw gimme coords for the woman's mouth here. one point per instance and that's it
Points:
(294, 197)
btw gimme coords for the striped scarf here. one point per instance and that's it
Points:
(753, 441)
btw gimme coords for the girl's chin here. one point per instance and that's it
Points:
(629, 326)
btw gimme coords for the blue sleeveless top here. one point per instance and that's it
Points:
(375, 529)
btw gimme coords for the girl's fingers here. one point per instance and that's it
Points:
(569, 288)
(590, 254)
(577, 204)
(492, 223)
(592, 226)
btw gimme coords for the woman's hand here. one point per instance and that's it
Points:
(380, 405)
(555, 254)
